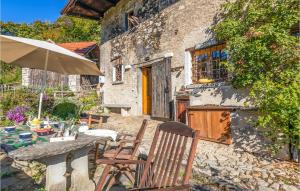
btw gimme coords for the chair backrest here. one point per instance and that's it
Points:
(139, 137)
(166, 155)
(94, 119)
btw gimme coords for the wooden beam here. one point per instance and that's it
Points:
(88, 7)
(114, 2)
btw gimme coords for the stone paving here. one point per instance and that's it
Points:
(216, 167)
(223, 167)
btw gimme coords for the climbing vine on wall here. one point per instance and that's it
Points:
(263, 42)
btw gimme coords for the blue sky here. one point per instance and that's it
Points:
(27, 11)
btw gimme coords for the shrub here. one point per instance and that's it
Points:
(66, 109)
(21, 97)
(89, 101)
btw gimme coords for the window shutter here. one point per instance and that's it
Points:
(114, 73)
(123, 71)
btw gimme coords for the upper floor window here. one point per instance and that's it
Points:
(206, 65)
(164, 3)
(130, 20)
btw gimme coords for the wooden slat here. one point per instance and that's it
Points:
(188, 169)
(177, 128)
(170, 159)
(173, 166)
(164, 164)
(160, 159)
(149, 159)
(162, 140)
(179, 161)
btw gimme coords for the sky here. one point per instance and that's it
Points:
(27, 11)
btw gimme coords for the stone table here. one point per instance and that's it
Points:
(54, 156)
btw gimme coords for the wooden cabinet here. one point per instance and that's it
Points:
(182, 104)
(212, 122)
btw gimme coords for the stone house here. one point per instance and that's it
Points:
(160, 59)
(90, 50)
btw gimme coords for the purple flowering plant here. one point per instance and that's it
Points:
(17, 114)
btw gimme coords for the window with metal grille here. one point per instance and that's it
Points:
(130, 20)
(118, 70)
(165, 3)
(207, 65)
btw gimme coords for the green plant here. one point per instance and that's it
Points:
(20, 97)
(89, 101)
(264, 56)
(66, 109)
(5, 122)
(9, 73)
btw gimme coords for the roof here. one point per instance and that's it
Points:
(81, 48)
(91, 9)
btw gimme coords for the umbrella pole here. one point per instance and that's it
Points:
(43, 88)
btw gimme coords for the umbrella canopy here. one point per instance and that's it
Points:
(29, 53)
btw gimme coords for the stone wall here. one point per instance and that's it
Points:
(168, 30)
(25, 77)
(73, 80)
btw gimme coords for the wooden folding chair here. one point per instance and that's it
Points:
(125, 150)
(161, 171)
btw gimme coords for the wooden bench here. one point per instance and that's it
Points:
(124, 108)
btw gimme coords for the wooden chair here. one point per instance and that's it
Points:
(122, 151)
(92, 119)
(162, 168)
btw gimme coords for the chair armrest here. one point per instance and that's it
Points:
(115, 161)
(125, 135)
(123, 141)
(186, 187)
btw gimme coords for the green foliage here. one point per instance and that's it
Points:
(66, 109)
(264, 56)
(89, 101)
(20, 97)
(9, 73)
(64, 29)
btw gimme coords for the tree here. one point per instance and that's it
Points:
(64, 29)
(264, 56)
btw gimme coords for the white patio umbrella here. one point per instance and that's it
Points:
(37, 54)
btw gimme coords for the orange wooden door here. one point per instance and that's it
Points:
(147, 90)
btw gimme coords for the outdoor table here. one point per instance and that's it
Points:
(54, 156)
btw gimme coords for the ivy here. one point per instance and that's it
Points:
(264, 57)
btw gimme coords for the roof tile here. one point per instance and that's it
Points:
(78, 47)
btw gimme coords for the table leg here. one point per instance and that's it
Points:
(56, 169)
(80, 174)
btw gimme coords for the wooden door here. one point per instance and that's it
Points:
(147, 90)
(161, 89)
(181, 110)
(214, 125)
